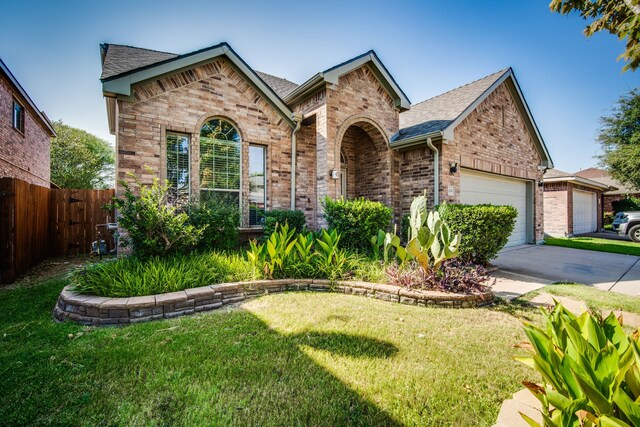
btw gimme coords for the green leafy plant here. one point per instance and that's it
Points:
(133, 276)
(485, 229)
(295, 219)
(219, 222)
(154, 226)
(331, 260)
(356, 221)
(590, 370)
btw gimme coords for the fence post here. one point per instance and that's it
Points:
(7, 230)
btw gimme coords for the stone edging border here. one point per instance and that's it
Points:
(99, 311)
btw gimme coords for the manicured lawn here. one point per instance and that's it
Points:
(285, 359)
(595, 244)
(593, 297)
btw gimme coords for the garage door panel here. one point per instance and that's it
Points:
(479, 188)
(585, 209)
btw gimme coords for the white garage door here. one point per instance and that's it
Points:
(481, 188)
(585, 219)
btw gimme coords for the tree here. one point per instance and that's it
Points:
(80, 159)
(619, 17)
(620, 140)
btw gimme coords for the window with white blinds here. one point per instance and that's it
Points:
(257, 184)
(178, 167)
(220, 159)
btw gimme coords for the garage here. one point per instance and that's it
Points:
(585, 212)
(482, 188)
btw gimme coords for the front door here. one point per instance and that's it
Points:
(343, 182)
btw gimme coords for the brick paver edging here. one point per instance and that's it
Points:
(97, 311)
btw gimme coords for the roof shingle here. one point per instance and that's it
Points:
(120, 59)
(436, 113)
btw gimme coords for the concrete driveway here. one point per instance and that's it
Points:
(606, 271)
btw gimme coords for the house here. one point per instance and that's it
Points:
(621, 191)
(25, 134)
(217, 129)
(572, 203)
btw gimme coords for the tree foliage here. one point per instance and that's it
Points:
(80, 159)
(620, 140)
(619, 17)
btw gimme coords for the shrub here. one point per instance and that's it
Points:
(295, 220)
(155, 227)
(132, 276)
(452, 277)
(220, 224)
(608, 218)
(356, 221)
(590, 369)
(485, 229)
(627, 204)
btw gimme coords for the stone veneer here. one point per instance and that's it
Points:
(99, 311)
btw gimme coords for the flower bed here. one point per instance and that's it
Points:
(99, 311)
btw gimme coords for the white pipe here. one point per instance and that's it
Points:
(297, 118)
(436, 172)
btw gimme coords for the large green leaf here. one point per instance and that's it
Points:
(630, 408)
(600, 403)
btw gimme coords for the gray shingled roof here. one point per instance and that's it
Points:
(557, 173)
(282, 87)
(120, 59)
(437, 113)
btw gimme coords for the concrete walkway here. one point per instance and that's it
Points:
(606, 271)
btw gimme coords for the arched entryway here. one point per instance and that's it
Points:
(365, 163)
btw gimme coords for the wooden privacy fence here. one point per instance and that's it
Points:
(38, 222)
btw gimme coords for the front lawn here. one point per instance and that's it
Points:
(593, 297)
(284, 359)
(595, 244)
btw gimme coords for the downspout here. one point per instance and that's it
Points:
(297, 119)
(436, 171)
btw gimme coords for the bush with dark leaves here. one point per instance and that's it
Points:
(452, 277)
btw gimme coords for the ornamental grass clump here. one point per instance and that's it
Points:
(132, 276)
(590, 370)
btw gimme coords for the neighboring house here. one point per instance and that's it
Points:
(214, 127)
(25, 134)
(572, 204)
(620, 192)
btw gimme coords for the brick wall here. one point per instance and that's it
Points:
(417, 171)
(494, 139)
(609, 199)
(23, 156)
(558, 207)
(182, 103)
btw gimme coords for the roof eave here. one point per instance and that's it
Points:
(414, 141)
(579, 180)
(121, 85)
(23, 93)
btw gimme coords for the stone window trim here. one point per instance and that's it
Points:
(18, 123)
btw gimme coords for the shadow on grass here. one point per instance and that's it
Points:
(225, 368)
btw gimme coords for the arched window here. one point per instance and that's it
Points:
(220, 157)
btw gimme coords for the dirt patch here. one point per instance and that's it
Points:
(53, 268)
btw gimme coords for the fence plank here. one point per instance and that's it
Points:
(37, 222)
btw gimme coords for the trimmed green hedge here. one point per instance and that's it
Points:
(485, 229)
(295, 219)
(356, 221)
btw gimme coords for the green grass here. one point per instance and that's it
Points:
(285, 359)
(593, 297)
(595, 244)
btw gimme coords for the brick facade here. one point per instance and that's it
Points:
(25, 156)
(558, 207)
(346, 126)
(183, 103)
(493, 138)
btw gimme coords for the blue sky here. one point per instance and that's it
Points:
(429, 47)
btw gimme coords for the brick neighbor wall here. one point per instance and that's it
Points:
(182, 103)
(610, 199)
(494, 139)
(24, 156)
(558, 207)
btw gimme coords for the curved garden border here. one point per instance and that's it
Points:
(98, 311)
